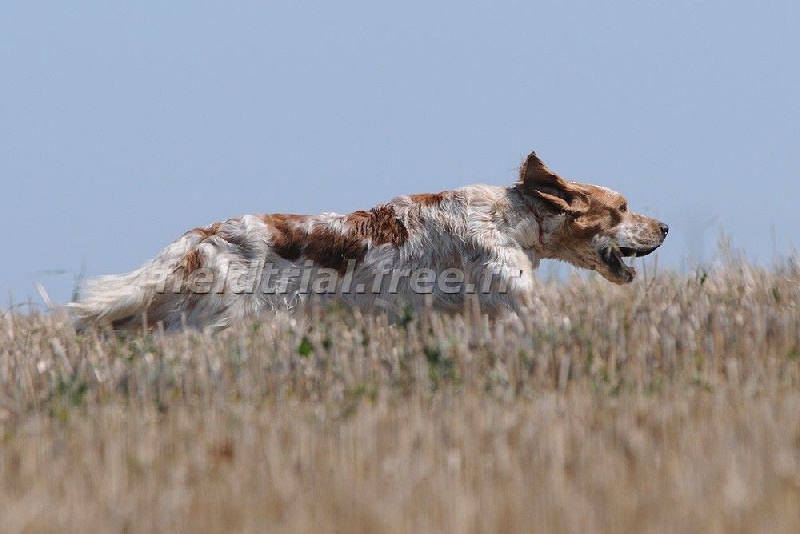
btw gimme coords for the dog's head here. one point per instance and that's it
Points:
(587, 225)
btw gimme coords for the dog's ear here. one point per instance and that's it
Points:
(546, 185)
(534, 170)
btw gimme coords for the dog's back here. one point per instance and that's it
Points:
(434, 248)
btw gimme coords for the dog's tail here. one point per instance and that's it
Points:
(139, 298)
(113, 300)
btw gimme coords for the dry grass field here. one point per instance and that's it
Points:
(671, 405)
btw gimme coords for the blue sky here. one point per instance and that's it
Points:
(125, 125)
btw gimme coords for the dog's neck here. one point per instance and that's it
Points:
(528, 224)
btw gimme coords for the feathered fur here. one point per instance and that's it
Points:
(482, 240)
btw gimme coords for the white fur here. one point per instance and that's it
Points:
(473, 230)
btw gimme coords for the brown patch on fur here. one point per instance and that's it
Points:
(207, 231)
(386, 227)
(331, 249)
(287, 237)
(427, 199)
(602, 212)
(380, 225)
(360, 222)
(192, 261)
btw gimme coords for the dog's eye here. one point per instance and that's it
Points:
(624, 207)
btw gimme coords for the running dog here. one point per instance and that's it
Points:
(433, 248)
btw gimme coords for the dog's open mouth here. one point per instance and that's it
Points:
(612, 255)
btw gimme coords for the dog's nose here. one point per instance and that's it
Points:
(664, 229)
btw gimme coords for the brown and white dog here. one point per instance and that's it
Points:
(436, 248)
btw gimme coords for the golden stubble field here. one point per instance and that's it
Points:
(669, 405)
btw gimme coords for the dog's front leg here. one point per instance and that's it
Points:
(511, 289)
